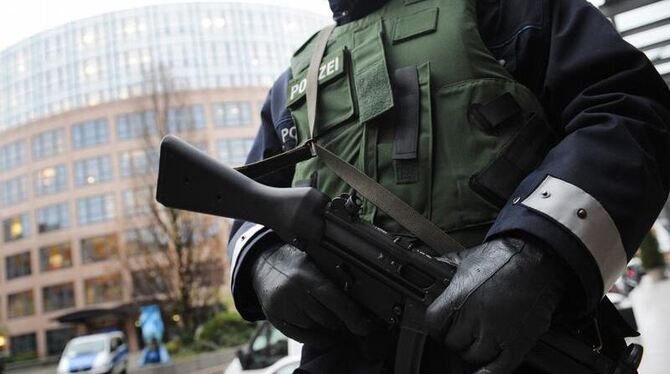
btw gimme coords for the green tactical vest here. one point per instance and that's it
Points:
(411, 96)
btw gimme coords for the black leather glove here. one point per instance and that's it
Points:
(498, 305)
(299, 301)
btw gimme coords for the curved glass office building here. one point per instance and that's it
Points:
(73, 103)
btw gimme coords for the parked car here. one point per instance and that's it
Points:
(268, 352)
(95, 354)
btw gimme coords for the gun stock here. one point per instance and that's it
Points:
(189, 179)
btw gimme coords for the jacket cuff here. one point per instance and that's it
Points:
(248, 243)
(575, 226)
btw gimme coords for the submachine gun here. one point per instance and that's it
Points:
(391, 277)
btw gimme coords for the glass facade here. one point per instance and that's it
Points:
(14, 191)
(92, 171)
(52, 218)
(104, 58)
(96, 209)
(90, 133)
(103, 289)
(20, 304)
(55, 257)
(17, 266)
(137, 163)
(16, 228)
(99, 248)
(185, 119)
(23, 345)
(12, 155)
(136, 202)
(234, 114)
(143, 240)
(48, 144)
(58, 338)
(233, 151)
(135, 125)
(50, 180)
(59, 296)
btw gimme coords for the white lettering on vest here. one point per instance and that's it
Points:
(290, 133)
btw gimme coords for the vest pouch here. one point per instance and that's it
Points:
(498, 181)
(335, 103)
(465, 151)
(408, 178)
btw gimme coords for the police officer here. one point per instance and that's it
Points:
(527, 125)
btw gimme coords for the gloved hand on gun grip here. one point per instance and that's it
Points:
(299, 301)
(499, 303)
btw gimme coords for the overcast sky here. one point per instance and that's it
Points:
(24, 18)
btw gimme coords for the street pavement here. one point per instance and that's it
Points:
(651, 304)
(206, 363)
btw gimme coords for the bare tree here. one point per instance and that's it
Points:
(176, 258)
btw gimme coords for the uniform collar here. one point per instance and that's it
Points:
(345, 11)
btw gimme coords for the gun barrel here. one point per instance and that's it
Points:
(189, 179)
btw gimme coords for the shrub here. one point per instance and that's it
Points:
(173, 346)
(650, 255)
(21, 357)
(227, 329)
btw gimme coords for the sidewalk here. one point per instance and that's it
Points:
(651, 304)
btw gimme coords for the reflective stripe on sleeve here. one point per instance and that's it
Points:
(585, 217)
(243, 239)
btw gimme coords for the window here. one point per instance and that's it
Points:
(99, 248)
(233, 151)
(269, 345)
(47, 144)
(17, 227)
(24, 345)
(12, 155)
(20, 304)
(137, 163)
(149, 282)
(185, 119)
(58, 338)
(103, 289)
(55, 257)
(135, 125)
(92, 171)
(210, 274)
(51, 180)
(14, 190)
(136, 201)
(56, 297)
(144, 240)
(52, 218)
(90, 133)
(96, 209)
(18, 265)
(232, 114)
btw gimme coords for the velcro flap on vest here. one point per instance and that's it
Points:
(373, 84)
(332, 67)
(423, 22)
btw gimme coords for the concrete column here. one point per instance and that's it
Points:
(41, 343)
(131, 336)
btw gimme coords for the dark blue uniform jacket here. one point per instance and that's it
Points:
(611, 107)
